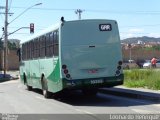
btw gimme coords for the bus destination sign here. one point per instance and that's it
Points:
(105, 27)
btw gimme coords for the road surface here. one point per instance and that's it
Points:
(15, 99)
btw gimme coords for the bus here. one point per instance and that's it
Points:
(73, 55)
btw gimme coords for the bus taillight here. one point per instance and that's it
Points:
(118, 72)
(119, 67)
(65, 71)
(120, 62)
(64, 66)
(68, 75)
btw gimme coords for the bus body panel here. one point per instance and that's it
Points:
(54, 79)
(35, 73)
(89, 52)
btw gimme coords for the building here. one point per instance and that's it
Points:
(12, 60)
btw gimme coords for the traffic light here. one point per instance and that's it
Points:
(2, 28)
(31, 27)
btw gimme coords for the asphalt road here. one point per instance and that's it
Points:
(15, 99)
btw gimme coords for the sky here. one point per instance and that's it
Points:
(136, 18)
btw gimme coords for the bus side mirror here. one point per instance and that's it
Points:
(62, 19)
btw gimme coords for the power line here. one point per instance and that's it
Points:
(40, 28)
(98, 11)
(10, 6)
(48, 9)
(124, 12)
(153, 25)
(1, 7)
(24, 12)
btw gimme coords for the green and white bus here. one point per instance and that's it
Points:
(80, 54)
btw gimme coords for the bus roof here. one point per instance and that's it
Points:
(45, 31)
(56, 26)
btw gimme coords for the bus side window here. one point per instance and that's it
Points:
(32, 49)
(49, 44)
(42, 46)
(28, 50)
(22, 51)
(56, 43)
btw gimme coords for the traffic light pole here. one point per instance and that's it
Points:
(18, 30)
(5, 38)
(6, 32)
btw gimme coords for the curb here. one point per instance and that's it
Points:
(8, 79)
(130, 93)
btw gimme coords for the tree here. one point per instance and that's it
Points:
(12, 46)
(1, 44)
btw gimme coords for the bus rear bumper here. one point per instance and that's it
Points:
(93, 82)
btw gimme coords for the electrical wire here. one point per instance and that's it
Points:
(153, 25)
(1, 16)
(10, 6)
(98, 11)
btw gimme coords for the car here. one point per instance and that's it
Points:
(130, 64)
(147, 64)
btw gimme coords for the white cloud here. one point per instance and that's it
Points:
(126, 35)
(156, 35)
(136, 30)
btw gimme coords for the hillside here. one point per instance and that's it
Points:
(144, 39)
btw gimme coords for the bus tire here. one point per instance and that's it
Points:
(45, 91)
(29, 88)
(90, 92)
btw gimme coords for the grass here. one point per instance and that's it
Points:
(142, 78)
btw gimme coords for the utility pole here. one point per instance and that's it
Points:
(6, 32)
(130, 52)
(5, 38)
(79, 12)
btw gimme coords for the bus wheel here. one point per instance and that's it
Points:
(45, 91)
(90, 92)
(29, 88)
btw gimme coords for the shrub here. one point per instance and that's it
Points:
(142, 78)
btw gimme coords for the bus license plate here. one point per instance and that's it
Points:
(97, 81)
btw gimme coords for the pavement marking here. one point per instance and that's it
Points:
(88, 112)
(143, 111)
(84, 111)
(40, 98)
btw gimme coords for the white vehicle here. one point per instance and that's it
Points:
(147, 64)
